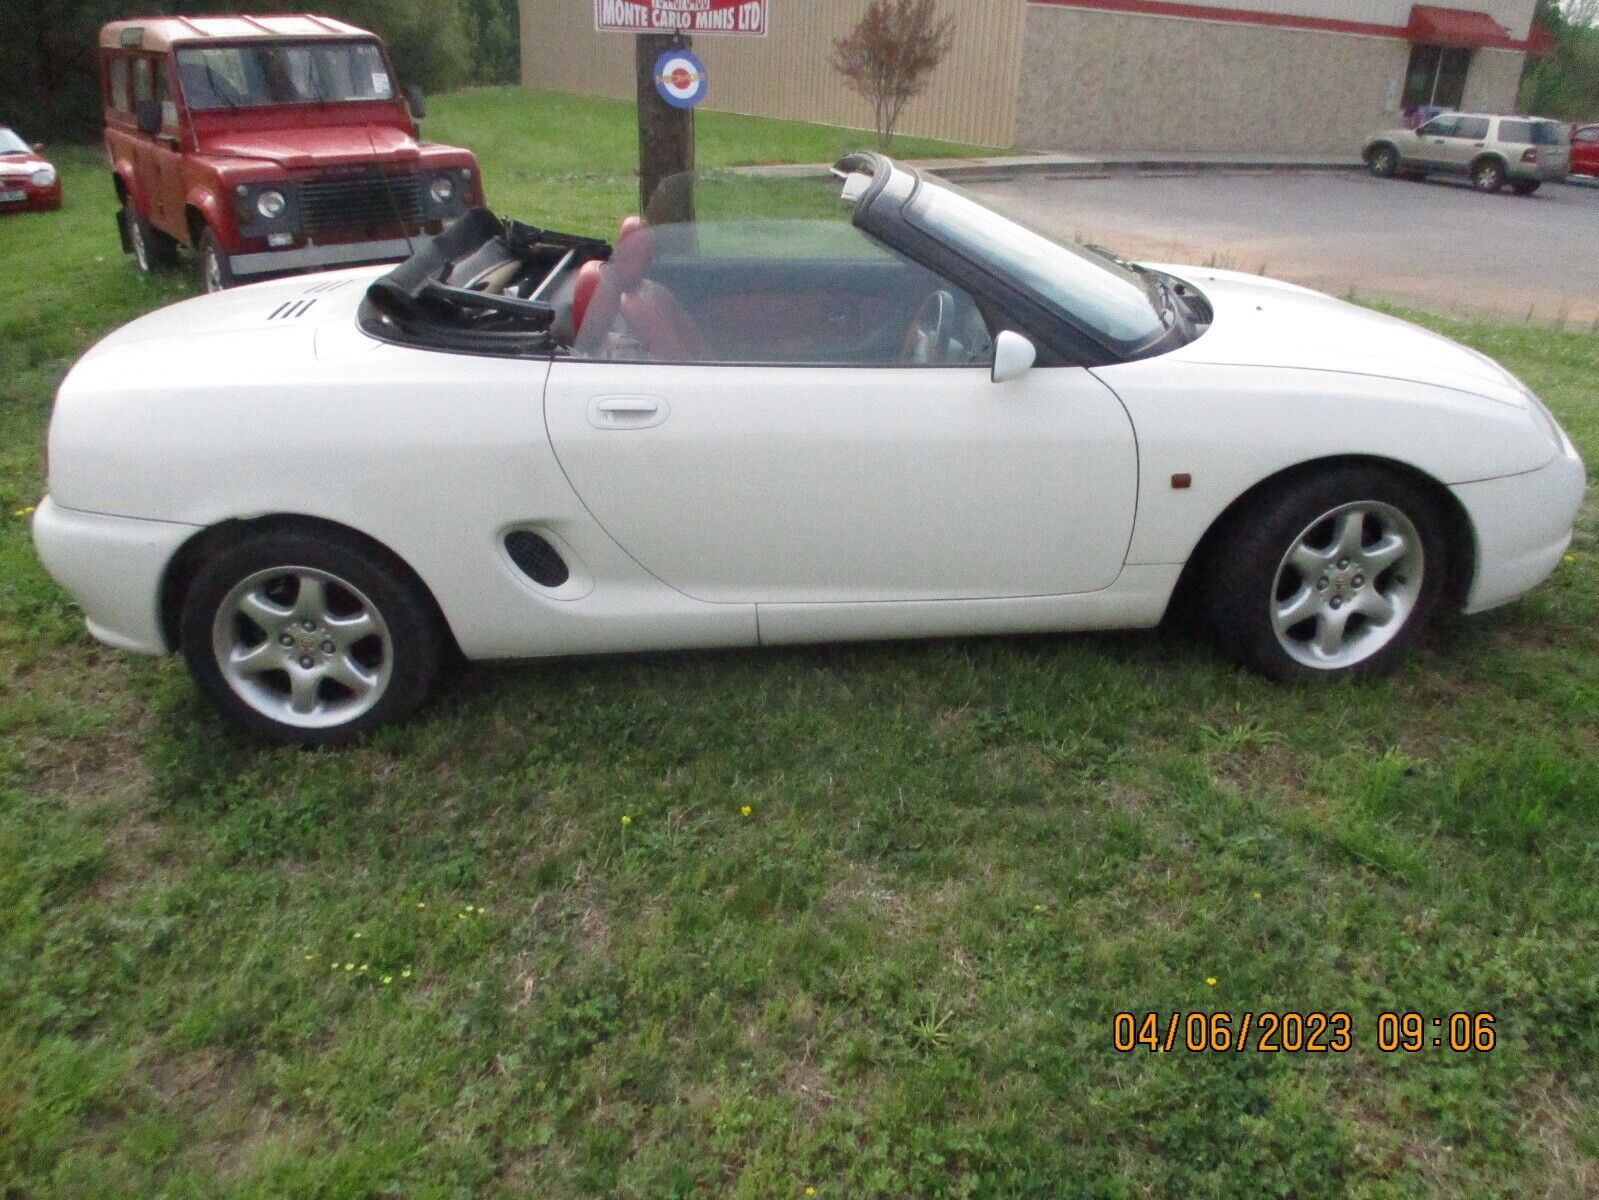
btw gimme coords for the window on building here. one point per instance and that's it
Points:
(1436, 77)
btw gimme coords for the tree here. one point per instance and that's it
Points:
(1565, 83)
(891, 55)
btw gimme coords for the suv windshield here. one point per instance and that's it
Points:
(10, 143)
(1103, 294)
(250, 76)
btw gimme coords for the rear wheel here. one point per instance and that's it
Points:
(1383, 161)
(212, 262)
(309, 637)
(1487, 175)
(1525, 187)
(1335, 574)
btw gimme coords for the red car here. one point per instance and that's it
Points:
(28, 183)
(268, 146)
(1585, 150)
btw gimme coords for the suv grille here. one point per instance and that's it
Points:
(336, 204)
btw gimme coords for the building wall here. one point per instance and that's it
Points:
(1093, 79)
(972, 97)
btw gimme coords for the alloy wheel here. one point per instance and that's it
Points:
(1347, 585)
(302, 647)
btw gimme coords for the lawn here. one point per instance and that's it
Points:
(854, 919)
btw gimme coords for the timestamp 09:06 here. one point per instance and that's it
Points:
(1298, 1032)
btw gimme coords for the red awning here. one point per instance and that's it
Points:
(1459, 27)
(1539, 42)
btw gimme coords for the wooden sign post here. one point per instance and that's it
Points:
(669, 87)
(665, 138)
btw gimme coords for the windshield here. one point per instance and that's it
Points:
(10, 143)
(252, 76)
(1101, 293)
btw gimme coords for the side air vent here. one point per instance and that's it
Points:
(536, 558)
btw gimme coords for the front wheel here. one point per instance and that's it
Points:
(309, 637)
(151, 248)
(1383, 162)
(215, 274)
(1333, 575)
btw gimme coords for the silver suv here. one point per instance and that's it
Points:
(1490, 151)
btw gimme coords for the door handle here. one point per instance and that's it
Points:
(627, 412)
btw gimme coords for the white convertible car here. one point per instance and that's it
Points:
(915, 419)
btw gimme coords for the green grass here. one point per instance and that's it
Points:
(895, 977)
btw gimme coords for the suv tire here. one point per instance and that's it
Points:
(1383, 161)
(211, 261)
(1488, 175)
(151, 248)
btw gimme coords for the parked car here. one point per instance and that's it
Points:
(924, 420)
(269, 145)
(28, 183)
(1585, 151)
(1491, 151)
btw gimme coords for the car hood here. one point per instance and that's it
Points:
(316, 146)
(20, 166)
(1265, 323)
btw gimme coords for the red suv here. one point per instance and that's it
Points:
(269, 145)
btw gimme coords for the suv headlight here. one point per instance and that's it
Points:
(44, 176)
(270, 205)
(442, 189)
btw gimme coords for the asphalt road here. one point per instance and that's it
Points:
(1438, 245)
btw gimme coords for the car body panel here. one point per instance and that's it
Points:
(1585, 151)
(831, 484)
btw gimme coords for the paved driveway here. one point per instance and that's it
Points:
(1438, 245)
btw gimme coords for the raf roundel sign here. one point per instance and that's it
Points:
(680, 78)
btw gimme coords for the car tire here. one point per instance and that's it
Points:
(1383, 161)
(1525, 187)
(1488, 175)
(1331, 575)
(151, 249)
(309, 637)
(211, 262)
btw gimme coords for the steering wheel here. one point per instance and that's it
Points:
(927, 340)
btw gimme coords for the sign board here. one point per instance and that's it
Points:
(681, 78)
(745, 18)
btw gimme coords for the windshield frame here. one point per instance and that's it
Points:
(886, 209)
(22, 146)
(260, 44)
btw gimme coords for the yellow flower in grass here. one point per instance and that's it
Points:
(22, 512)
(626, 820)
(349, 966)
(745, 811)
(810, 1191)
(388, 979)
(1210, 981)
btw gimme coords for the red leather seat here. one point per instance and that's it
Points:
(588, 281)
(655, 318)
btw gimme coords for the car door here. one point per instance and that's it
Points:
(1439, 143)
(1470, 139)
(851, 463)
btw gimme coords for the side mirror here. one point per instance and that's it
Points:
(1014, 356)
(148, 115)
(416, 101)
